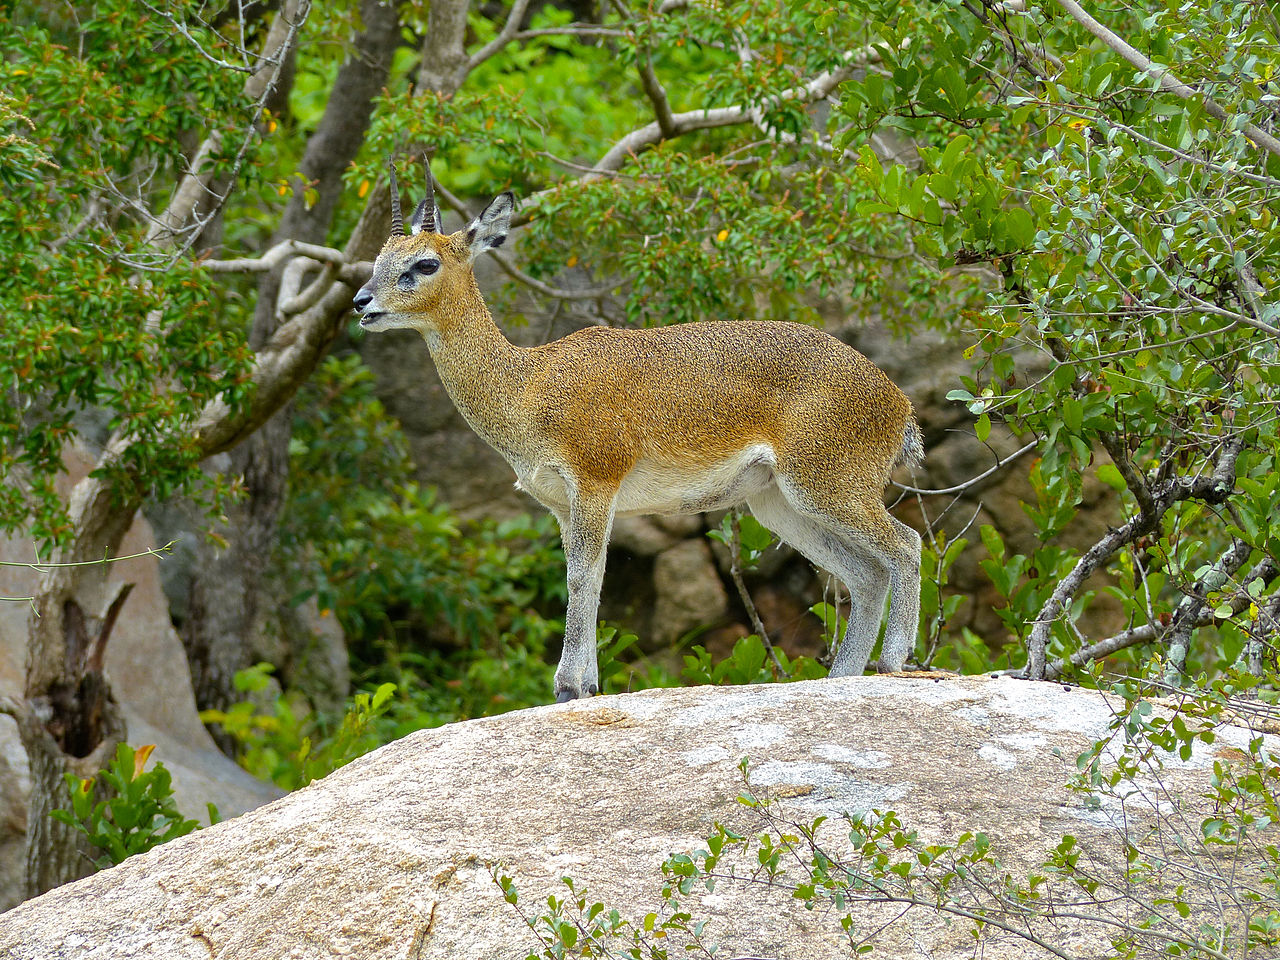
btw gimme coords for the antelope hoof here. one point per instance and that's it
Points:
(567, 694)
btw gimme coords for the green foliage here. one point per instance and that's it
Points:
(749, 662)
(149, 353)
(288, 744)
(752, 538)
(699, 228)
(138, 811)
(423, 599)
(1135, 237)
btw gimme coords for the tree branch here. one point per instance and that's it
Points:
(561, 293)
(282, 251)
(1149, 632)
(195, 185)
(657, 95)
(652, 134)
(1115, 449)
(1166, 78)
(1195, 606)
(505, 36)
(1213, 488)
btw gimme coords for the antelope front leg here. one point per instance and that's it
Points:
(585, 537)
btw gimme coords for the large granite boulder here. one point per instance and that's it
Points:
(393, 855)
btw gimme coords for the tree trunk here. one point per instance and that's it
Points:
(68, 720)
(229, 588)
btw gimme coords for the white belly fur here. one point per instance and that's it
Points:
(659, 488)
(666, 489)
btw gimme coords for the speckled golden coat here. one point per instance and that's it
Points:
(787, 419)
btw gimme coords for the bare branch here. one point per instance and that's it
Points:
(1166, 78)
(281, 252)
(1195, 605)
(1214, 487)
(561, 293)
(181, 29)
(681, 123)
(657, 95)
(650, 83)
(194, 187)
(42, 567)
(505, 36)
(972, 481)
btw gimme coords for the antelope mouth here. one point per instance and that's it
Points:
(368, 318)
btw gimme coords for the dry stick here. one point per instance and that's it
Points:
(1167, 80)
(735, 571)
(972, 481)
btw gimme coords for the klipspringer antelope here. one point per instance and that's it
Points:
(606, 422)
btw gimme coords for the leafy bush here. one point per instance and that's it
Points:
(458, 616)
(289, 744)
(138, 811)
(749, 662)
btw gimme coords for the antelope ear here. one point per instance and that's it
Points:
(489, 230)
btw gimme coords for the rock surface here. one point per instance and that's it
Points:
(390, 856)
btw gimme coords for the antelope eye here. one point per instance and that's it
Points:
(427, 267)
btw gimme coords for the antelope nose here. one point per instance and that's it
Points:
(363, 299)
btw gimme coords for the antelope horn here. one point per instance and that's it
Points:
(397, 222)
(430, 198)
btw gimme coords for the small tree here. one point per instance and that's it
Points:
(1125, 201)
(98, 228)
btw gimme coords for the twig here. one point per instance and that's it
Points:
(42, 567)
(561, 293)
(972, 481)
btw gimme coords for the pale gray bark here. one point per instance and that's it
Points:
(228, 590)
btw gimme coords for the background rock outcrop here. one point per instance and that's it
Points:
(390, 857)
